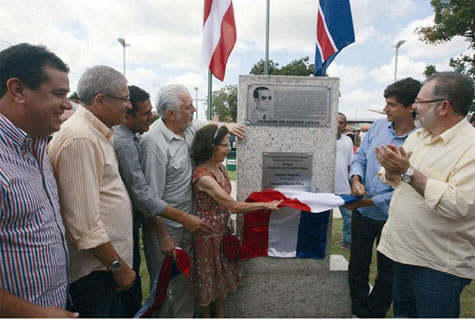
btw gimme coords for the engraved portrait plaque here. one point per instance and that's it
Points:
(288, 105)
(287, 170)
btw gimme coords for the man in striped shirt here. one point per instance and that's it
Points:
(95, 205)
(33, 255)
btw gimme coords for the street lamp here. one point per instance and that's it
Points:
(356, 120)
(124, 44)
(196, 101)
(398, 44)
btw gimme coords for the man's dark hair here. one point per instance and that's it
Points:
(455, 87)
(205, 139)
(256, 91)
(137, 95)
(26, 62)
(342, 114)
(405, 91)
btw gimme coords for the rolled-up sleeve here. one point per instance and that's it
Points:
(145, 198)
(79, 179)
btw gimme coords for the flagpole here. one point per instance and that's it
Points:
(266, 64)
(210, 90)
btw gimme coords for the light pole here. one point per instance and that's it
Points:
(196, 101)
(398, 44)
(124, 44)
(356, 120)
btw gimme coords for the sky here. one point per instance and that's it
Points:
(165, 42)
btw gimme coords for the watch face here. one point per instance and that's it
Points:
(115, 266)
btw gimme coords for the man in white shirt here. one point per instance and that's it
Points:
(344, 155)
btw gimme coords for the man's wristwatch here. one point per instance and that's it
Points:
(407, 176)
(114, 266)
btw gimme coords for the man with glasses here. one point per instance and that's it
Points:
(371, 211)
(430, 233)
(264, 110)
(95, 205)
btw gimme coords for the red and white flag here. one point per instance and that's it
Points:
(219, 35)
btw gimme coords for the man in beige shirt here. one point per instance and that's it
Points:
(430, 233)
(95, 205)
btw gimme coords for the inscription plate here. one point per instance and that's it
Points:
(287, 170)
(288, 105)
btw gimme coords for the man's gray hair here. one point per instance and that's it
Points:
(455, 87)
(169, 98)
(99, 79)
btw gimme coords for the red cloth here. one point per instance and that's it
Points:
(183, 264)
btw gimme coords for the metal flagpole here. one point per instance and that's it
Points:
(210, 90)
(266, 63)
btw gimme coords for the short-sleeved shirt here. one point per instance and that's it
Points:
(168, 166)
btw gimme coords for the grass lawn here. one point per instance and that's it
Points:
(467, 301)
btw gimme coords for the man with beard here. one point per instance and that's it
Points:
(168, 169)
(145, 203)
(371, 212)
(430, 231)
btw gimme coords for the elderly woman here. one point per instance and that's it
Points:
(213, 274)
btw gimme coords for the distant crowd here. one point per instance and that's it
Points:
(76, 195)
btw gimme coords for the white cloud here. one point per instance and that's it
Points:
(417, 49)
(350, 77)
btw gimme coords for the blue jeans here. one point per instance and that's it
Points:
(420, 292)
(346, 230)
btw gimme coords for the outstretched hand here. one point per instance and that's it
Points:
(274, 205)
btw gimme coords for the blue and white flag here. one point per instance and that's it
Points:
(334, 32)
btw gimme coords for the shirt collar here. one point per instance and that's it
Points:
(393, 131)
(126, 132)
(95, 122)
(445, 136)
(18, 137)
(167, 133)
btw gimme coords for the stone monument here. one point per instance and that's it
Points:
(298, 121)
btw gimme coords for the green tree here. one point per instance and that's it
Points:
(429, 70)
(452, 18)
(225, 103)
(74, 96)
(300, 67)
(258, 68)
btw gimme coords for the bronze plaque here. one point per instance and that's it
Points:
(288, 105)
(287, 170)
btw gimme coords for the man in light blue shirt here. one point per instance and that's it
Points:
(371, 212)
